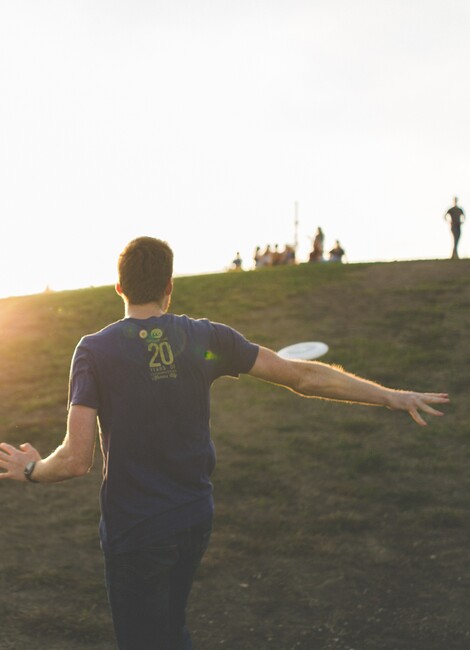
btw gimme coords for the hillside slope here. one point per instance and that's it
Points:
(337, 526)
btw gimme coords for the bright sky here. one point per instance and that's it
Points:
(203, 122)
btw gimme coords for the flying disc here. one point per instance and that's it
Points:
(306, 351)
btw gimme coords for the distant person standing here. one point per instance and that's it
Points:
(337, 252)
(317, 252)
(237, 263)
(267, 257)
(276, 256)
(457, 217)
(257, 257)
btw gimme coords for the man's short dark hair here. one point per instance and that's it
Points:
(145, 267)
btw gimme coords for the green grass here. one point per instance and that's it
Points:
(326, 513)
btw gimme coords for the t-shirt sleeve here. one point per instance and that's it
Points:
(83, 385)
(230, 351)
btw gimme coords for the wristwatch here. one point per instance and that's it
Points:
(29, 469)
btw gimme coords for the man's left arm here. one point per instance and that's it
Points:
(316, 379)
(73, 458)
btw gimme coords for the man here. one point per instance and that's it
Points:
(316, 254)
(237, 262)
(337, 253)
(457, 217)
(146, 378)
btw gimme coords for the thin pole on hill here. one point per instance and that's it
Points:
(296, 225)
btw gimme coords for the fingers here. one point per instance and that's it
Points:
(26, 448)
(9, 449)
(417, 417)
(8, 453)
(8, 458)
(428, 409)
(13, 460)
(438, 398)
(422, 402)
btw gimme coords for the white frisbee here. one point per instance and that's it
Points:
(306, 351)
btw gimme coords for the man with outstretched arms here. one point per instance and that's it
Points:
(146, 380)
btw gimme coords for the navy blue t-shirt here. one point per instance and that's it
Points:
(150, 381)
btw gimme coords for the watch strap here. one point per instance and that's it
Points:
(29, 469)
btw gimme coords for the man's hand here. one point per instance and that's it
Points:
(415, 402)
(13, 460)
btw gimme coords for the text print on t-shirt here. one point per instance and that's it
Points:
(161, 358)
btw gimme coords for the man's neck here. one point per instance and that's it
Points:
(144, 311)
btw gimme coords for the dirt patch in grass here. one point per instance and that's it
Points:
(337, 527)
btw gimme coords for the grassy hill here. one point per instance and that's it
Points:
(337, 526)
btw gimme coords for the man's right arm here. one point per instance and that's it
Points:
(73, 458)
(320, 380)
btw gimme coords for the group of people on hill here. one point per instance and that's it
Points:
(273, 256)
(336, 254)
(268, 257)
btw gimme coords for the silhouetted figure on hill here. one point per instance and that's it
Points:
(237, 263)
(337, 252)
(257, 257)
(266, 257)
(317, 252)
(276, 257)
(456, 216)
(287, 255)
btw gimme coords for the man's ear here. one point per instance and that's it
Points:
(169, 287)
(117, 286)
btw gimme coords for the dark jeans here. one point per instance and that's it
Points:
(148, 591)
(456, 235)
